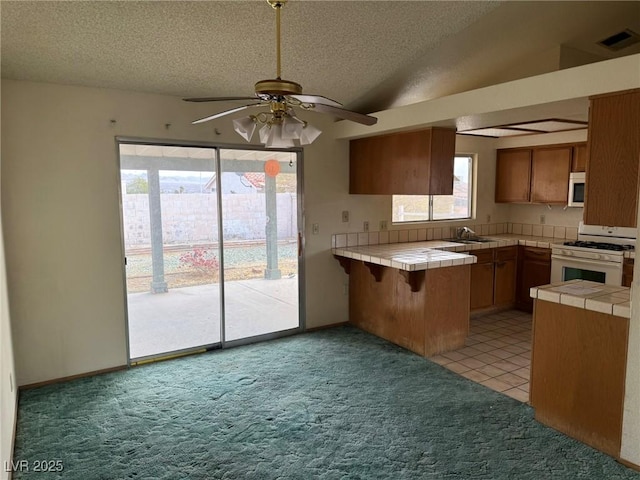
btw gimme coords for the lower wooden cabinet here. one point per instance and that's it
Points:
(534, 269)
(627, 272)
(578, 368)
(493, 277)
(482, 280)
(506, 266)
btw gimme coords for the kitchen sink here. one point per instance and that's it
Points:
(469, 241)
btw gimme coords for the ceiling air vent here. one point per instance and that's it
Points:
(620, 40)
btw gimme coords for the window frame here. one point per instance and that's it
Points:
(471, 158)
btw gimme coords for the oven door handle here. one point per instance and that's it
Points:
(587, 261)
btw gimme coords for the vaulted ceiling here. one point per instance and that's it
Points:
(369, 55)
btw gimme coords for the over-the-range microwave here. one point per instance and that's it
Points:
(576, 189)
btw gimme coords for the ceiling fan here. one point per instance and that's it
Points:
(281, 125)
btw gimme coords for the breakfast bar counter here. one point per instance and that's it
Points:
(415, 295)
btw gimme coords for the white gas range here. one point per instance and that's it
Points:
(597, 255)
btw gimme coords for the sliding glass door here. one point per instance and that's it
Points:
(211, 246)
(259, 192)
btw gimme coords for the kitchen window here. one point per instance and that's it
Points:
(425, 208)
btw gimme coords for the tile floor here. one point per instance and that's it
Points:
(497, 353)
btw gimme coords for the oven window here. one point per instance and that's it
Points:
(578, 192)
(569, 273)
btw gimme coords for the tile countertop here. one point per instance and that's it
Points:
(409, 256)
(594, 296)
(412, 256)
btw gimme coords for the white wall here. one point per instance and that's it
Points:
(60, 180)
(8, 390)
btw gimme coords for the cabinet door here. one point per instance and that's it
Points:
(534, 273)
(505, 276)
(481, 285)
(612, 163)
(627, 272)
(513, 176)
(550, 175)
(534, 269)
(505, 282)
(579, 160)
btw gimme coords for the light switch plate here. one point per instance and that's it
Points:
(345, 216)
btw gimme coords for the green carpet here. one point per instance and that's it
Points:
(334, 404)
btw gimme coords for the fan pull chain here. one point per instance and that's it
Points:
(278, 7)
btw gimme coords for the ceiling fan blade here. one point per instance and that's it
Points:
(217, 99)
(346, 114)
(316, 99)
(226, 112)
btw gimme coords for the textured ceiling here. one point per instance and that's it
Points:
(366, 54)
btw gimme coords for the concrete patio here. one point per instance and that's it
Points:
(190, 316)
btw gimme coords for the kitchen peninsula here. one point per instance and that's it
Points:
(578, 383)
(415, 295)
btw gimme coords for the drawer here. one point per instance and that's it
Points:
(484, 256)
(506, 253)
(536, 253)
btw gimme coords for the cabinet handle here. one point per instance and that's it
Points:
(501, 264)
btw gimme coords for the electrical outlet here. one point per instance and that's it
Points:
(345, 216)
(315, 229)
(542, 219)
(383, 225)
(365, 227)
(488, 218)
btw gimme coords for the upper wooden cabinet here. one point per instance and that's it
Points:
(533, 175)
(579, 160)
(550, 168)
(612, 164)
(513, 176)
(404, 163)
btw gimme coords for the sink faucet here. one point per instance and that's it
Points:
(462, 232)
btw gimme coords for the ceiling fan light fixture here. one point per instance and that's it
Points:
(309, 134)
(273, 136)
(281, 126)
(292, 128)
(245, 127)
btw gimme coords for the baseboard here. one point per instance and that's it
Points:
(629, 464)
(489, 310)
(13, 436)
(72, 377)
(324, 327)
